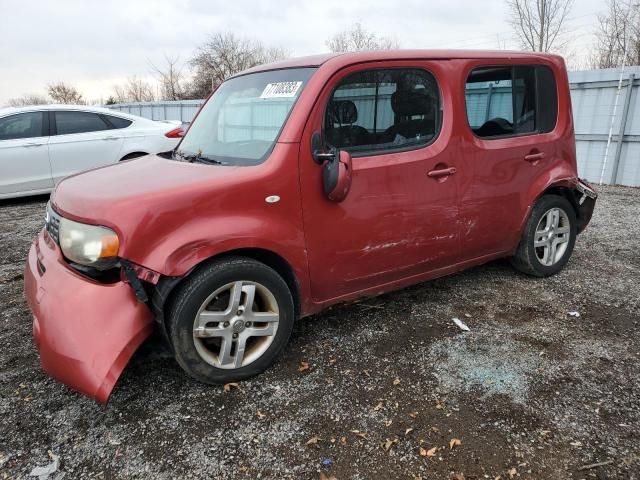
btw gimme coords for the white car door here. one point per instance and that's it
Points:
(24, 158)
(80, 141)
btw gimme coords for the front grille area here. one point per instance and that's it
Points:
(52, 224)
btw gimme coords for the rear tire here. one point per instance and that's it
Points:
(548, 238)
(229, 320)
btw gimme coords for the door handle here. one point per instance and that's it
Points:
(442, 172)
(534, 157)
(31, 144)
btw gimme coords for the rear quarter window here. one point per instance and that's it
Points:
(511, 100)
(117, 122)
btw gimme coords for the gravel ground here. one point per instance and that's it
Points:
(529, 391)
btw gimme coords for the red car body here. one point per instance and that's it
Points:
(171, 216)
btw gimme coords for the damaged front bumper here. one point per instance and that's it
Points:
(85, 331)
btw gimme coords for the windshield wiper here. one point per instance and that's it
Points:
(209, 160)
(197, 157)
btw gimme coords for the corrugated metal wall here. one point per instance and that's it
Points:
(593, 95)
(183, 110)
(251, 118)
(365, 100)
(485, 101)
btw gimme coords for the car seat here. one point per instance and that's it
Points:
(346, 134)
(406, 105)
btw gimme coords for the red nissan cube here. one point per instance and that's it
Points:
(299, 185)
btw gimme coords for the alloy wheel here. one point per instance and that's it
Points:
(552, 236)
(236, 324)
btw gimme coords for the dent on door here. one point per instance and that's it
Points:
(387, 214)
(378, 226)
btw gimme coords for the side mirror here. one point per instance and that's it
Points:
(317, 150)
(336, 176)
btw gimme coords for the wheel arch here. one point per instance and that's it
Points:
(561, 190)
(563, 187)
(131, 155)
(162, 292)
(274, 261)
(568, 190)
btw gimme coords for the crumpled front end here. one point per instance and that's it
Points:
(85, 331)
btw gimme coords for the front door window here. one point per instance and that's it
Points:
(383, 110)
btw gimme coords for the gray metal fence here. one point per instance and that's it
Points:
(183, 110)
(594, 95)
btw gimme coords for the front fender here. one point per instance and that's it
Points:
(185, 258)
(181, 251)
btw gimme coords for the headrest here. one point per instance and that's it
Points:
(408, 103)
(344, 112)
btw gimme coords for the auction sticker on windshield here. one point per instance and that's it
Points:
(281, 90)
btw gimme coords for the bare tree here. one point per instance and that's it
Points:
(501, 42)
(223, 55)
(171, 79)
(139, 90)
(357, 38)
(539, 24)
(120, 94)
(64, 93)
(134, 90)
(26, 100)
(618, 31)
(273, 54)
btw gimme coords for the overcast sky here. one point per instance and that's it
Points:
(96, 44)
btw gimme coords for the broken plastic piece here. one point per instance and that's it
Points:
(43, 473)
(461, 324)
(574, 314)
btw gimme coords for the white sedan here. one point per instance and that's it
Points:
(41, 145)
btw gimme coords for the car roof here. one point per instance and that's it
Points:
(339, 60)
(85, 108)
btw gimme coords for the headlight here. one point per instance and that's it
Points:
(89, 245)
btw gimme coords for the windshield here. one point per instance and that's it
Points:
(242, 120)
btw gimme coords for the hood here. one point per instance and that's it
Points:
(93, 195)
(159, 206)
(129, 195)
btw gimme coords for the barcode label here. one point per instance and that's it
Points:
(281, 90)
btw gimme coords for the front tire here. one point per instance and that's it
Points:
(548, 238)
(230, 320)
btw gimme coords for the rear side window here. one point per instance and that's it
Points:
(377, 110)
(21, 125)
(117, 122)
(511, 100)
(79, 122)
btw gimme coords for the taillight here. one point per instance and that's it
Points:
(175, 133)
